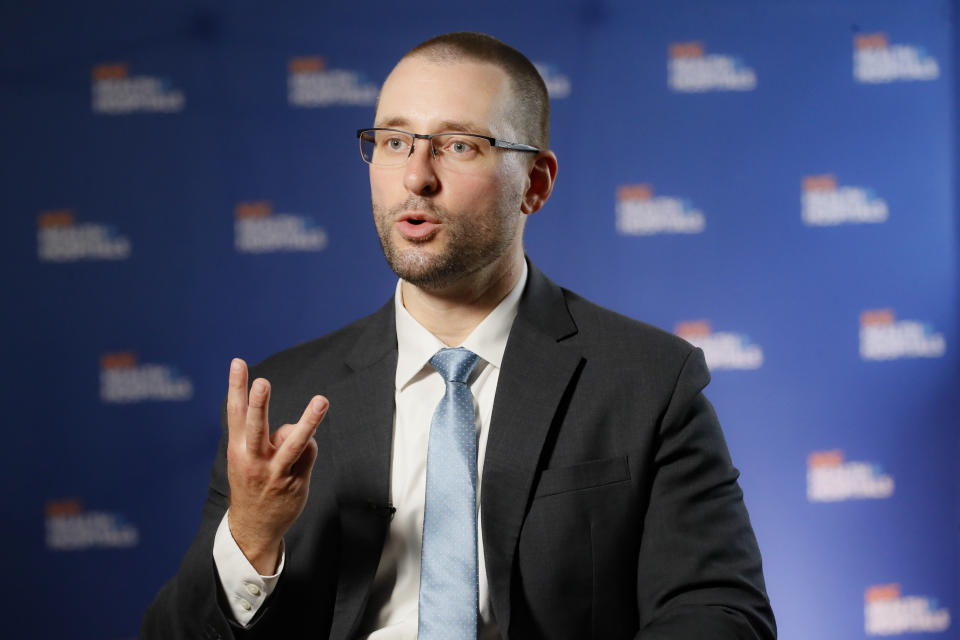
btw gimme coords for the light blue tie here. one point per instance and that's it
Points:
(448, 566)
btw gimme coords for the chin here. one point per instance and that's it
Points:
(426, 271)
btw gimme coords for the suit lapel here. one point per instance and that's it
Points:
(361, 435)
(537, 370)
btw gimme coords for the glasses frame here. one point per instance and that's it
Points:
(496, 143)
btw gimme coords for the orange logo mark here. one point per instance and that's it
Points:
(871, 41)
(872, 317)
(55, 218)
(692, 328)
(634, 192)
(258, 209)
(111, 71)
(68, 507)
(882, 592)
(686, 50)
(824, 182)
(831, 458)
(306, 64)
(118, 360)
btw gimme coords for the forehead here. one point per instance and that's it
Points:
(428, 96)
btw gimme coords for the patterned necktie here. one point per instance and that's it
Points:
(448, 566)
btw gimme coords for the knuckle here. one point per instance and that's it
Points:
(296, 448)
(235, 458)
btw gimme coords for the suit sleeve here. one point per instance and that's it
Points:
(193, 604)
(188, 606)
(699, 573)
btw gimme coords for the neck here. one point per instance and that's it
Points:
(453, 312)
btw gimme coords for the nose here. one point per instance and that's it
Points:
(420, 176)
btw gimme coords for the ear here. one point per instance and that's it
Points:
(542, 175)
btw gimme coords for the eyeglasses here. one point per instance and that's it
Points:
(464, 152)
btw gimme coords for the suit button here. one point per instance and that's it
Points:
(246, 606)
(253, 589)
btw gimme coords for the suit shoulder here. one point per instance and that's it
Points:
(652, 358)
(324, 354)
(608, 330)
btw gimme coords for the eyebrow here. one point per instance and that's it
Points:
(444, 125)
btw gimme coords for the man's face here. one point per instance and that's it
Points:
(436, 225)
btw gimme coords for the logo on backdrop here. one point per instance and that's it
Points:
(832, 479)
(123, 380)
(883, 337)
(722, 349)
(888, 613)
(558, 84)
(876, 61)
(60, 238)
(640, 213)
(310, 84)
(257, 229)
(70, 527)
(824, 204)
(691, 70)
(115, 92)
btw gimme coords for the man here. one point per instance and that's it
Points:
(601, 501)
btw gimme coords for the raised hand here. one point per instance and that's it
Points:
(269, 474)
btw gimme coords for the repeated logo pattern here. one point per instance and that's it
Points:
(116, 92)
(257, 229)
(690, 69)
(640, 213)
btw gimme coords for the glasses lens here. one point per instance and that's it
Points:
(385, 147)
(461, 152)
(464, 152)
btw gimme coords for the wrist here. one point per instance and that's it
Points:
(265, 561)
(262, 552)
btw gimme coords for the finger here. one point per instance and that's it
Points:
(295, 442)
(278, 436)
(258, 426)
(236, 398)
(304, 464)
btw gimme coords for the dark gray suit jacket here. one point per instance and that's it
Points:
(610, 505)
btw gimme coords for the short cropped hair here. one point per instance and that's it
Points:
(531, 115)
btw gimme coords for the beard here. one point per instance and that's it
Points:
(471, 242)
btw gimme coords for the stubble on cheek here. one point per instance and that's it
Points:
(466, 241)
(418, 261)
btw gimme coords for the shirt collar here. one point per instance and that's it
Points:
(416, 345)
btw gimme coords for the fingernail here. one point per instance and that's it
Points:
(259, 387)
(235, 365)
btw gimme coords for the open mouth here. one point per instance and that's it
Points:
(418, 227)
(417, 218)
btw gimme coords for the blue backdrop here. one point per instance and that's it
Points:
(776, 181)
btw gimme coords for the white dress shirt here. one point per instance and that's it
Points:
(392, 610)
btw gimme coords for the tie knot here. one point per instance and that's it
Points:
(454, 365)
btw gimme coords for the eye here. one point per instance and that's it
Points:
(461, 148)
(395, 143)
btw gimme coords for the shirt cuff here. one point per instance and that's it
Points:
(246, 590)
